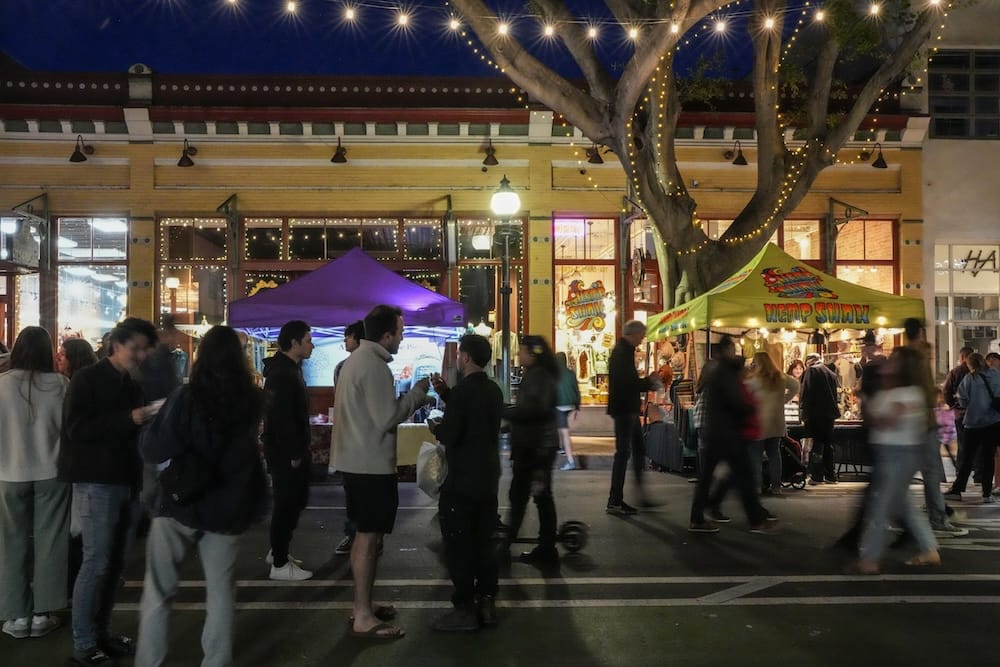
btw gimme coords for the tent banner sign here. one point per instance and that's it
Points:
(798, 284)
(585, 306)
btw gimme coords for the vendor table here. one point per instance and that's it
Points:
(849, 451)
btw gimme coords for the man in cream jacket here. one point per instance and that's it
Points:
(366, 414)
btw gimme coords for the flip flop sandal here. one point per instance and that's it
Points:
(382, 613)
(381, 631)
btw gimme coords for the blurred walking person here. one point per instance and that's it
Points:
(898, 414)
(286, 444)
(34, 503)
(625, 389)
(567, 401)
(211, 423)
(534, 441)
(772, 389)
(98, 453)
(467, 509)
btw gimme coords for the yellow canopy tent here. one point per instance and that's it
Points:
(775, 290)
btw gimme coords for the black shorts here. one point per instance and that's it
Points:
(562, 418)
(372, 501)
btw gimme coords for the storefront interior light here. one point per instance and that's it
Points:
(64, 242)
(481, 242)
(172, 282)
(8, 226)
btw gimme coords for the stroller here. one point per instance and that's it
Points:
(793, 470)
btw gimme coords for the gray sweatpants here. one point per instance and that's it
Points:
(33, 576)
(166, 547)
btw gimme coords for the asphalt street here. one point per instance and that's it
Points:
(644, 591)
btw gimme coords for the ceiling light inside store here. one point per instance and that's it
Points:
(481, 242)
(81, 271)
(8, 226)
(67, 243)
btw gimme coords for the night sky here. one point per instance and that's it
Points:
(261, 37)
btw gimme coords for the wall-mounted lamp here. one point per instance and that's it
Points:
(339, 155)
(736, 154)
(594, 155)
(81, 151)
(491, 155)
(879, 162)
(186, 154)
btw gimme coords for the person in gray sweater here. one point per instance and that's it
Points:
(34, 504)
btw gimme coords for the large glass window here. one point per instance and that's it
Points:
(967, 300)
(194, 294)
(477, 240)
(92, 239)
(422, 238)
(262, 238)
(585, 324)
(92, 298)
(588, 239)
(802, 239)
(964, 94)
(192, 239)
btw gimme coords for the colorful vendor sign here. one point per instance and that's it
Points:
(776, 290)
(585, 305)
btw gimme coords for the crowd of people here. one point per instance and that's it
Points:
(84, 439)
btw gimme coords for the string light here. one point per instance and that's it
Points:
(592, 32)
(633, 33)
(875, 9)
(549, 31)
(291, 7)
(503, 28)
(349, 13)
(454, 24)
(403, 19)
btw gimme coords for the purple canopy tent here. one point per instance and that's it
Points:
(339, 293)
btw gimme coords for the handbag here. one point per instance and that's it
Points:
(432, 468)
(994, 401)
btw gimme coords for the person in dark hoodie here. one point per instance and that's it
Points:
(98, 453)
(467, 508)
(211, 423)
(286, 444)
(534, 442)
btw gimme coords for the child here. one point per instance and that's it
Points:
(945, 421)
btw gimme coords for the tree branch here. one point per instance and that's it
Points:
(574, 36)
(890, 69)
(538, 80)
(822, 80)
(767, 91)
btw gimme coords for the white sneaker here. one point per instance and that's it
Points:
(269, 558)
(948, 529)
(290, 572)
(42, 625)
(18, 628)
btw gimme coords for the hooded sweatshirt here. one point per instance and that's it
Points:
(286, 410)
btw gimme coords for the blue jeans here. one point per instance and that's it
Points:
(895, 466)
(105, 513)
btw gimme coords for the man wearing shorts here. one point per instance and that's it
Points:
(366, 414)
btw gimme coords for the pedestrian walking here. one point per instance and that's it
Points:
(366, 414)
(982, 426)
(819, 407)
(567, 401)
(353, 335)
(729, 415)
(625, 388)
(533, 445)
(98, 453)
(286, 444)
(467, 508)
(209, 426)
(771, 389)
(34, 503)
(898, 413)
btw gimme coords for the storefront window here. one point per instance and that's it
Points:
(422, 239)
(479, 292)
(865, 240)
(194, 294)
(262, 238)
(802, 239)
(28, 311)
(585, 324)
(92, 299)
(92, 239)
(192, 239)
(476, 240)
(307, 239)
(878, 277)
(642, 237)
(588, 239)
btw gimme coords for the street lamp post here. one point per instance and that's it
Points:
(505, 203)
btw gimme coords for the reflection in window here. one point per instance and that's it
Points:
(579, 238)
(196, 295)
(479, 292)
(422, 238)
(28, 312)
(380, 237)
(643, 237)
(865, 239)
(90, 239)
(91, 299)
(262, 238)
(193, 239)
(307, 239)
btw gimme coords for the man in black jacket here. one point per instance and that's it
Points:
(819, 408)
(950, 391)
(103, 411)
(625, 388)
(286, 444)
(468, 504)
